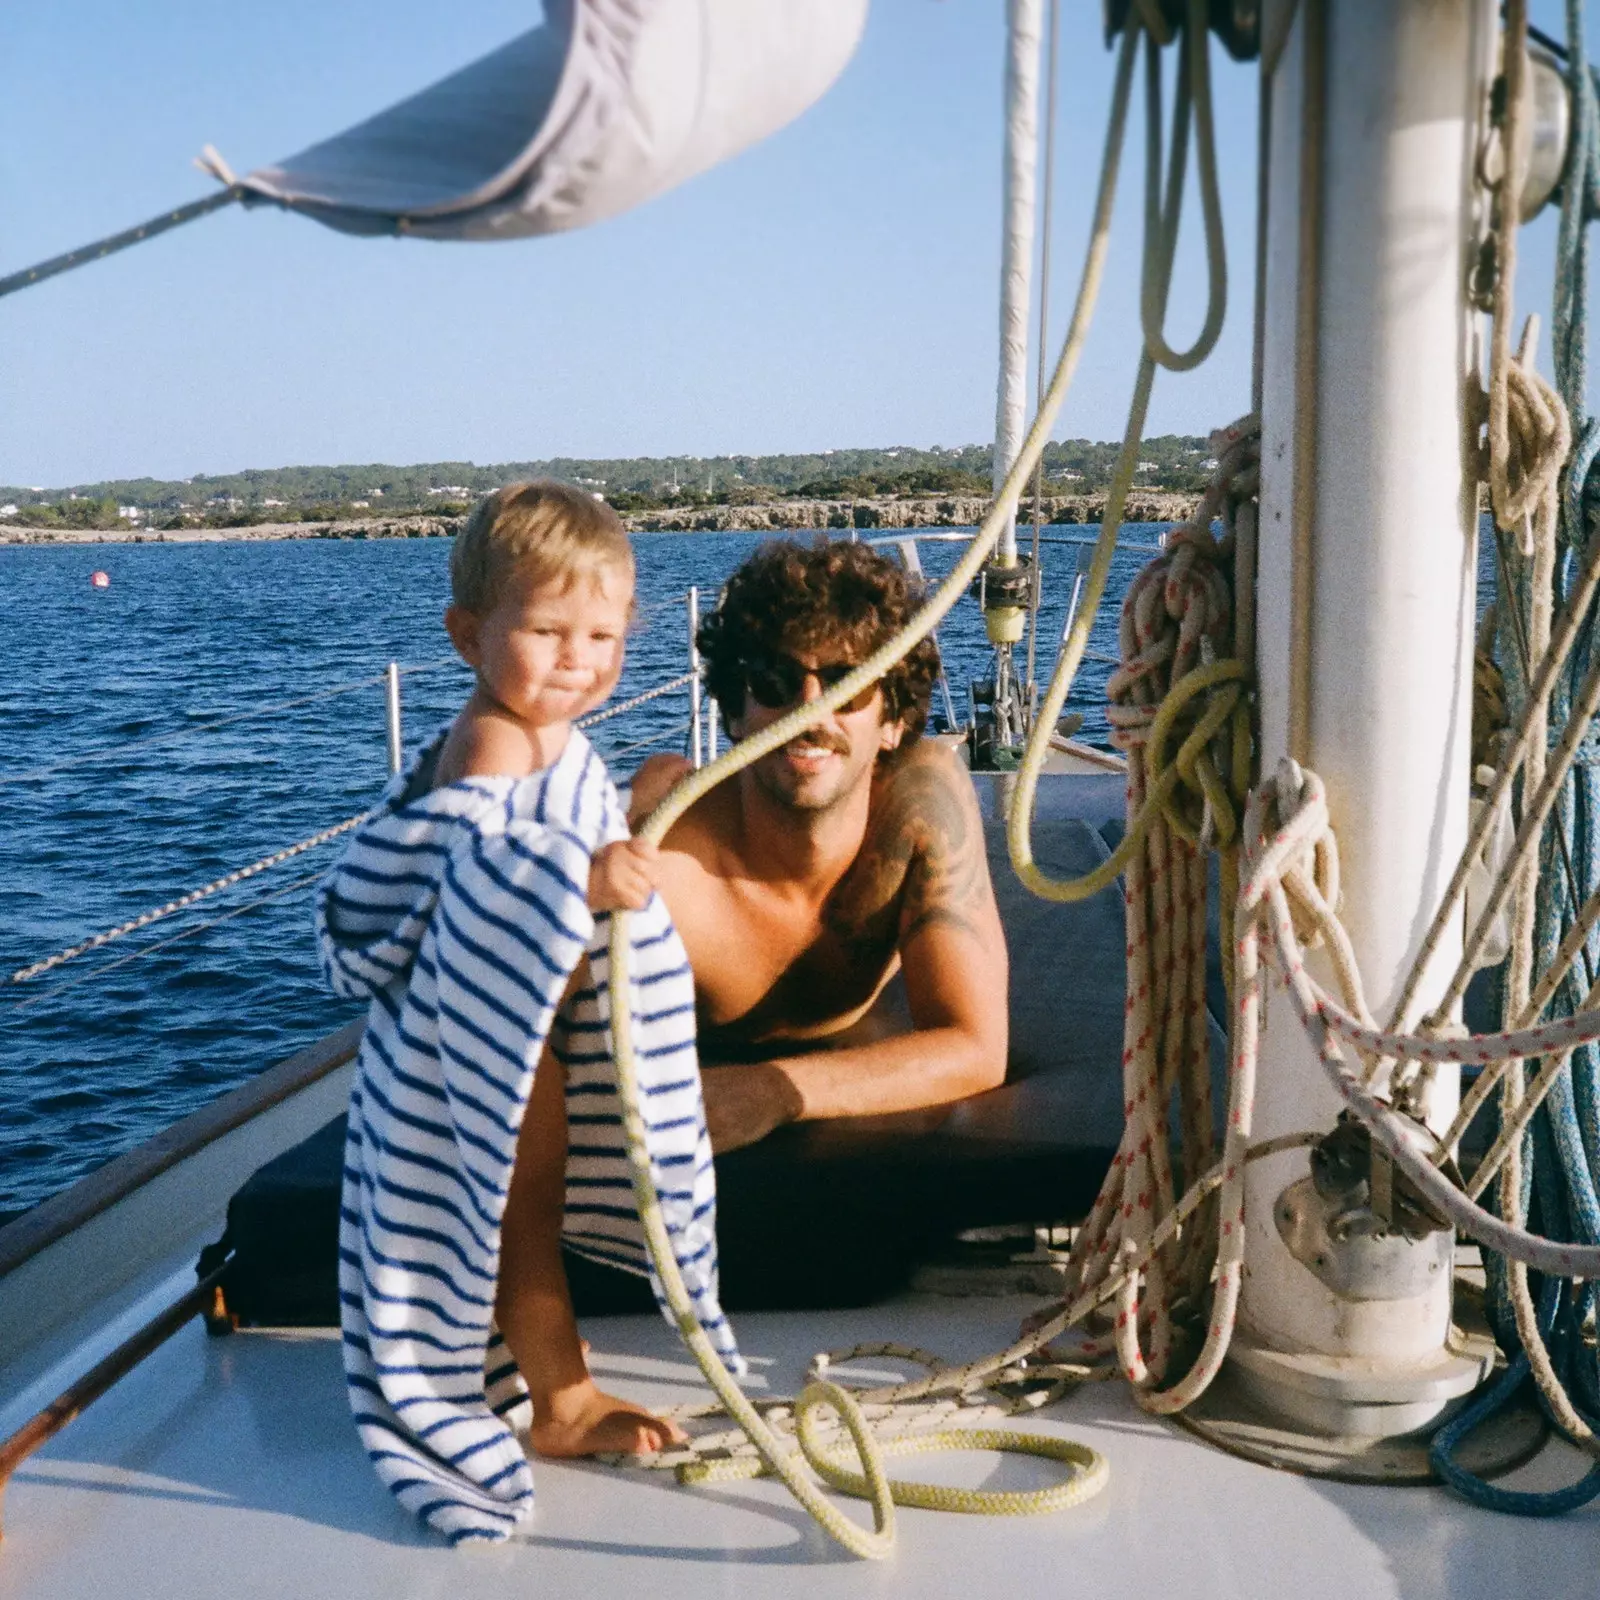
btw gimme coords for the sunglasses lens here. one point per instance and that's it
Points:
(828, 676)
(775, 681)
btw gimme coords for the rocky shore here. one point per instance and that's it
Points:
(778, 516)
(895, 512)
(418, 527)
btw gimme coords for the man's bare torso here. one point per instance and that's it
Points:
(776, 962)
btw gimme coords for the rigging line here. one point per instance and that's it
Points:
(183, 902)
(1519, 632)
(1307, 369)
(120, 241)
(1159, 245)
(161, 944)
(1540, 37)
(1051, 52)
(147, 740)
(655, 738)
(637, 701)
(1193, 99)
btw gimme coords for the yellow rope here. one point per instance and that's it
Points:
(1157, 279)
(1185, 766)
(851, 1535)
(1192, 764)
(1090, 1473)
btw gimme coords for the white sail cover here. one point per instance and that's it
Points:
(606, 104)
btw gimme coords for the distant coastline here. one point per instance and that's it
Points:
(875, 513)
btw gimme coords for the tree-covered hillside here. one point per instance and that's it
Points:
(289, 494)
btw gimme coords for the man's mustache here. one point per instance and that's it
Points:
(824, 741)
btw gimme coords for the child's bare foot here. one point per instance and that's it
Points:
(585, 1421)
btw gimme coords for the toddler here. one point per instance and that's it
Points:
(541, 597)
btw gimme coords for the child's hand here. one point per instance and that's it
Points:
(622, 875)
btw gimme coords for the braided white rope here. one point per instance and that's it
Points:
(278, 857)
(1290, 817)
(625, 706)
(193, 897)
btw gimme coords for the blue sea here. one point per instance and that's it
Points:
(118, 793)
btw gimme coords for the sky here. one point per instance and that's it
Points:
(834, 286)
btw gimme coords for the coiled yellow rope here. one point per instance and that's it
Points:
(1090, 1475)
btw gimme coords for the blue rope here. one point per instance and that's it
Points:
(1561, 1147)
(1521, 1503)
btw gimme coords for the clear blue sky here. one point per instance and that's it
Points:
(834, 286)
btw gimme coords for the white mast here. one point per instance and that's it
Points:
(1365, 602)
(1025, 22)
(1005, 614)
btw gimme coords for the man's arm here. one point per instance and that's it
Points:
(952, 953)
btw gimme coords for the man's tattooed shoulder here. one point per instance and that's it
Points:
(947, 872)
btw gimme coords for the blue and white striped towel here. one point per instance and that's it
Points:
(461, 912)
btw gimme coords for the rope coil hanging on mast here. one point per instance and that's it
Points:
(1547, 1149)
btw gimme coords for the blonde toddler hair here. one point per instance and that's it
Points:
(542, 532)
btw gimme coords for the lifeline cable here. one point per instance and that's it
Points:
(94, 976)
(278, 857)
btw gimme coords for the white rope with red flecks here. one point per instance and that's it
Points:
(1179, 684)
(1289, 819)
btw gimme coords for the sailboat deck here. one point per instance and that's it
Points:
(231, 1466)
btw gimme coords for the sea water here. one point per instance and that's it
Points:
(118, 793)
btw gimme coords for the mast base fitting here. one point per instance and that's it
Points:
(1005, 624)
(1233, 1418)
(1357, 1396)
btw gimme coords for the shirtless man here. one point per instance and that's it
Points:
(802, 885)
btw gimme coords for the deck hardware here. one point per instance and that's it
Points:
(391, 693)
(100, 1377)
(1350, 1250)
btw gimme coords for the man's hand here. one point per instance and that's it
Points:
(745, 1103)
(622, 875)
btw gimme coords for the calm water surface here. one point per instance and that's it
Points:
(107, 1050)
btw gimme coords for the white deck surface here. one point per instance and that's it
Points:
(230, 1467)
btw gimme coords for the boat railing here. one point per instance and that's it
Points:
(699, 728)
(907, 543)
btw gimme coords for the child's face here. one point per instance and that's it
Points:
(550, 652)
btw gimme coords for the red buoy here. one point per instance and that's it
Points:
(100, 580)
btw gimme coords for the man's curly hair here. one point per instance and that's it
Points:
(839, 599)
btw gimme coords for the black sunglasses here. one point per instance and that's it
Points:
(775, 680)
